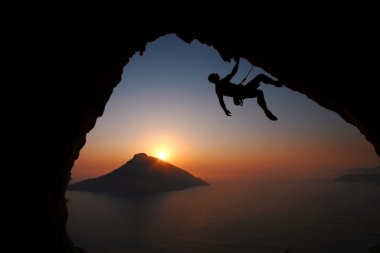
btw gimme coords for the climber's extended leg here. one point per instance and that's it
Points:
(263, 105)
(265, 79)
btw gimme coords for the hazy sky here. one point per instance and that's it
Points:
(164, 102)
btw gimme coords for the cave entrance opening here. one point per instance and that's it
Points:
(164, 103)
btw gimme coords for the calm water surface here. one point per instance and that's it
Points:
(301, 217)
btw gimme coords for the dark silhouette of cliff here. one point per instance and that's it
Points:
(141, 174)
(375, 248)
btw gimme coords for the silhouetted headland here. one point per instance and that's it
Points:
(375, 170)
(359, 178)
(359, 175)
(142, 174)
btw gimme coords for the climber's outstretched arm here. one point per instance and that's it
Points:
(233, 72)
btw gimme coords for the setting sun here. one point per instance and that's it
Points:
(162, 155)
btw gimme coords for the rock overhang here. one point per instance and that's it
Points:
(63, 64)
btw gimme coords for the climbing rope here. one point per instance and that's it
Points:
(246, 75)
(240, 101)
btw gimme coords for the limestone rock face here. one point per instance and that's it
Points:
(60, 63)
(375, 248)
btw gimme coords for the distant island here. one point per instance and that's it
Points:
(361, 175)
(142, 174)
(375, 170)
(359, 178)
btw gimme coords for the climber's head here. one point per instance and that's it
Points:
(213, 78)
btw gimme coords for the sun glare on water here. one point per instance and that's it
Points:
(162, 155)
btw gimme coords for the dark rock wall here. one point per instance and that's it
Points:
(61, 63)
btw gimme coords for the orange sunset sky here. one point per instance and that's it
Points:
(164, 103)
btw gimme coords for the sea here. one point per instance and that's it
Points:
(295, 216)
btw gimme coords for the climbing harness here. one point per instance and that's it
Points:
(238, 101)
(246, 75)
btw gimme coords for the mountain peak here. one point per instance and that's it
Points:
(140, 155)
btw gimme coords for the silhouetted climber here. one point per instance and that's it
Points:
(224, 87)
